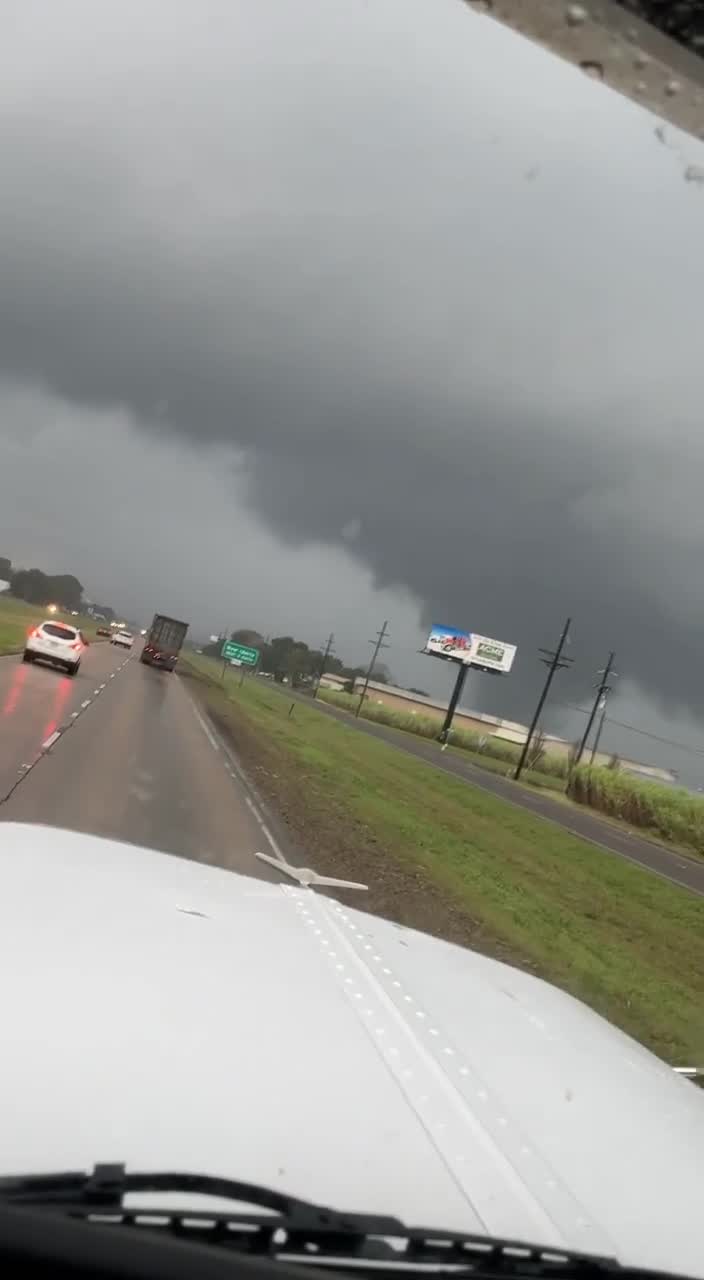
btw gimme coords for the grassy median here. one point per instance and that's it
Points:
(628, 943)
(17, 617)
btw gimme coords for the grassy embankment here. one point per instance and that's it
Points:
(667, 813)
(489, 753)
(17, 617)
(628, 943)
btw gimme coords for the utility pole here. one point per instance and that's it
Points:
(222, 638)
(602, 689)
(554, 661)
(326, 655)
(597, 739)
(378, 645)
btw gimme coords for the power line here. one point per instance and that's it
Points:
(644, 733)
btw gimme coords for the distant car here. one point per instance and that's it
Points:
(103, 631)
(124, 638)
(57, 643)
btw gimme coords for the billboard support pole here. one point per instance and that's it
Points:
(555, 660)
(452, 704)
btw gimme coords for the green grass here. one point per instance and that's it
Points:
(670, 812)
(17, 617)
(628, 943)
(487, 752)
(672, 815)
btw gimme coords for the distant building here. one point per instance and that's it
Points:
(404, 701)
(331, 681)
(101, 612)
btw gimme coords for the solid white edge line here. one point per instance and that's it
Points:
(25, 769)
(240, 778)
(206, 728)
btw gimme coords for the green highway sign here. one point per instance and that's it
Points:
(233, 652)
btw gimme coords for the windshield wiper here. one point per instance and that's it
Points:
(102, 1193)
(293, 1230)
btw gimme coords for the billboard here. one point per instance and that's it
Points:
(472, 649)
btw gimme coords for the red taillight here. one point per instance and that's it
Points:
(76, 644)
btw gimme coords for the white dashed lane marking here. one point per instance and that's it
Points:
(53, 738)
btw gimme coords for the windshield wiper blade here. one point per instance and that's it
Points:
(103, 1192)
(295, 1230)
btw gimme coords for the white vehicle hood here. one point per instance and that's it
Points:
(173, 1015)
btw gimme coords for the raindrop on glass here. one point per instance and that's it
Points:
(576, 15)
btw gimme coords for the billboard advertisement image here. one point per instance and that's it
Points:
(470, 648)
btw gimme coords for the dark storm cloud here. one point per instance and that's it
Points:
(410, 266)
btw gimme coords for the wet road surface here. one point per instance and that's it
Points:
(121, 750)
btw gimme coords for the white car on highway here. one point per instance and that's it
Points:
(57, 643)
(124, 638)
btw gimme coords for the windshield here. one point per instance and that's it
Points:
(350, 402)
(56, 631)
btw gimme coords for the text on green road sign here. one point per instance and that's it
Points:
(240, 652)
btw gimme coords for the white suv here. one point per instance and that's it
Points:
(55, 642)
(122, 637)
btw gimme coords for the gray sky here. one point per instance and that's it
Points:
(316, 312)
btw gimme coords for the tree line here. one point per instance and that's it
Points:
(37, 587)
(286, 658)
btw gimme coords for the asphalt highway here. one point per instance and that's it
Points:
(121, 750)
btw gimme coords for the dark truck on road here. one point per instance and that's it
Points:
(163, 642)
